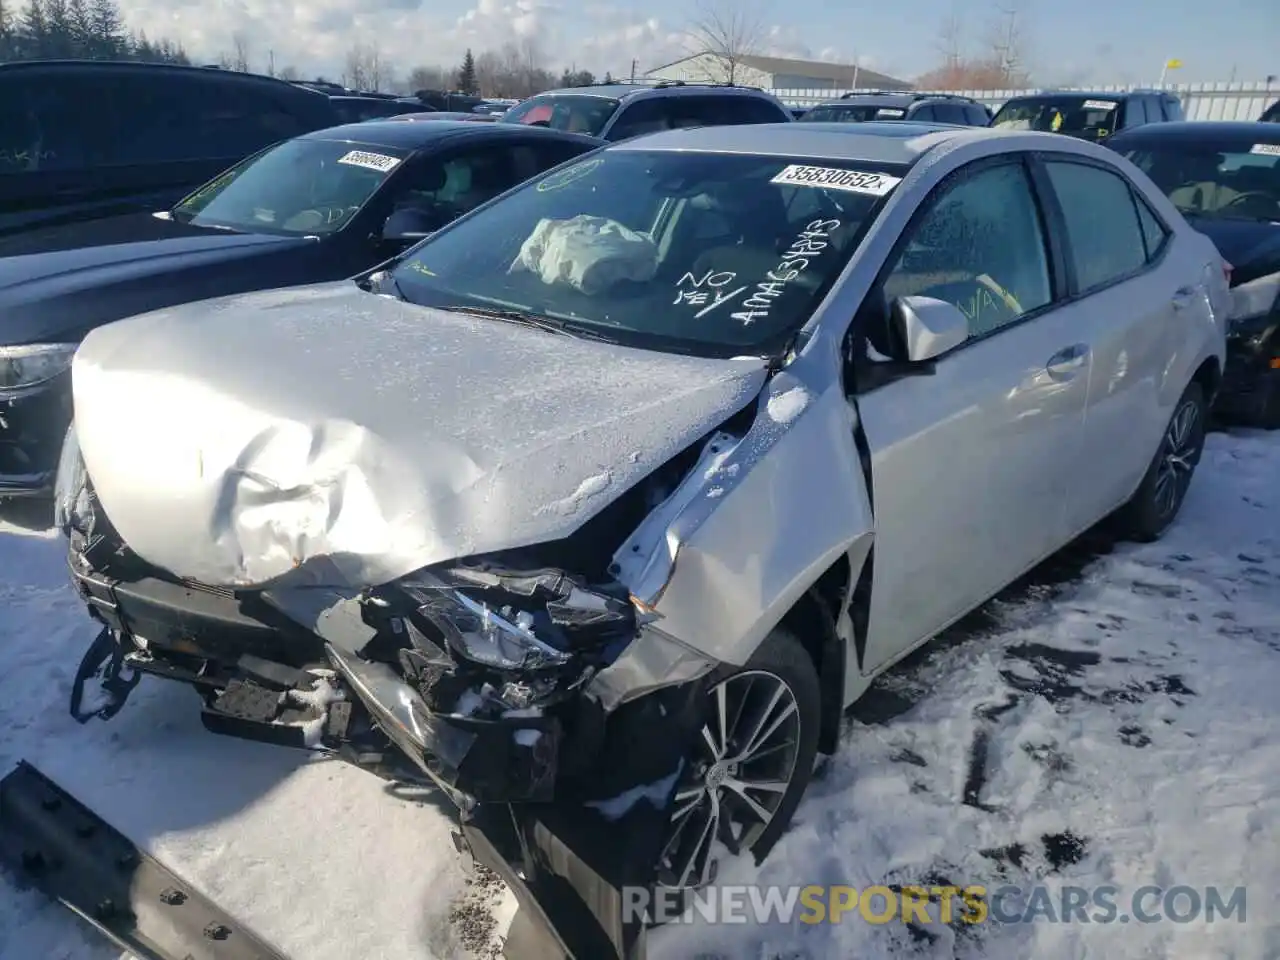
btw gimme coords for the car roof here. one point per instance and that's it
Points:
(124, 66)
(620, 91)
(1202, 131)
(420, 136)
(1112, 95)
(892, 142)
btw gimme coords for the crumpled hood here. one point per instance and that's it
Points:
(327, 435)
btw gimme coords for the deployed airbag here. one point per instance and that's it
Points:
(588, 253)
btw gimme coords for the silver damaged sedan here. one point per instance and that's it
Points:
(599, 506)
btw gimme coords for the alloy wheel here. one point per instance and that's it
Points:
(731, 788)
(1178, 455)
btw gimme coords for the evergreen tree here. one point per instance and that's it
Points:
(109, 39)
(467, 81)
(81, 29)
(34, 40)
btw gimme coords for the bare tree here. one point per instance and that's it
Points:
(240, 48)
(999, 65)
(429, 78)
(726, 31)
(289, 73)
(365, 68)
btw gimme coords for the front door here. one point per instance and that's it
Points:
(971, 466)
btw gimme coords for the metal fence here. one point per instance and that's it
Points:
(1200, 101)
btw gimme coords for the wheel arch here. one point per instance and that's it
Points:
(1209, 376)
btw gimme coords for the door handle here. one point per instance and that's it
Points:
(1182, 297)
(1064, 364)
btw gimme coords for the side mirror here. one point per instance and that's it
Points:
(926, 328)
(407, 226)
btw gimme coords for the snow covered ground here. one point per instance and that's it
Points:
(1118, 725)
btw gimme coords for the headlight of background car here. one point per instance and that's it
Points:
(33, 363)
(1254, 306)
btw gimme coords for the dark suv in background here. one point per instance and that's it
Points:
(82, 139)
(619, 111)
(858, 107)
(1088, 116)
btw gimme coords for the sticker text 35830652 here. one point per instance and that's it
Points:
(814, 239)
(370, 161)
(835, 178)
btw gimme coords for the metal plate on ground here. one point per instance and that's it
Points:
(64, 849)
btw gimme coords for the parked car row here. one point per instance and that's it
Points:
(598, 506)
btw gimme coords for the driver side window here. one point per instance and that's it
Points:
(980, 246)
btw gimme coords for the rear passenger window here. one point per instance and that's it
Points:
(977, 116)
(52, 124)
(1104, 235)
(752, 110)
(1153, 232)
(1135, 112)
(644, 116)
(925, 114)
(949, 113)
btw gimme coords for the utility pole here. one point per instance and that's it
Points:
(1006, 41)
(271, 63)
(633, 69)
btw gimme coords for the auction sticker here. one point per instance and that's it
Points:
(1099, 104)
(370, 161)
(834, 178)
(1266, 149)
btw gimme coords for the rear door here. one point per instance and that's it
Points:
(1128, 283)
(971, 466)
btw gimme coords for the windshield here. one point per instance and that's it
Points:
(852, 113)
(299, 187)
(1241, 182)
(711, 254)
(1085, 117)
(577, 114)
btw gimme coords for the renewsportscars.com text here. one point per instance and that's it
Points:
(975, 904)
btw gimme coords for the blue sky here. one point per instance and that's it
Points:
(1084, 41)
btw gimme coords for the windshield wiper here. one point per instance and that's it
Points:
(549, 324)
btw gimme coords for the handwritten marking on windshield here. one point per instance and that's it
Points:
(709, 287)
(812, 241)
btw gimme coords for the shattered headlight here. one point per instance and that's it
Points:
(518, 621)
(33, 363)
(72, 506)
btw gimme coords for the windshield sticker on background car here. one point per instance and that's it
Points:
(370, 161)
(563, 178)
(813, 240)
(890, 114)
(834, 178)
(707, 291)
(1266, 149)
(1099, 104)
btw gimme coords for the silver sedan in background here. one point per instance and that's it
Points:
(625, 485)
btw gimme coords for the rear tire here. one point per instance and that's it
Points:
(750, 767)
(1158, 499)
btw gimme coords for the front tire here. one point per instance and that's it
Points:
(750, 765)
(1159, 497)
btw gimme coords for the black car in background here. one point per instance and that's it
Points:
(1088, 116)
(1271, 114)
(323, 206)
(1225, 179)
(355, 109)
(619, 111)
(81, 139)
(859, 107)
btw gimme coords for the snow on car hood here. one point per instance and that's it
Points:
(327, 435)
